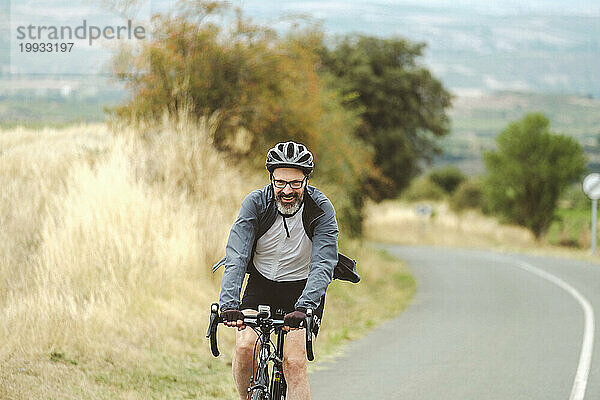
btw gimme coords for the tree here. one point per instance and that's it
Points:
(250, 76)
(448, 178)
(529, 170)
(403, 107)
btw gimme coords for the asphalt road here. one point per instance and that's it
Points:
(482, 325)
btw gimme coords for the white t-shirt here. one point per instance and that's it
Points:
(280, 258)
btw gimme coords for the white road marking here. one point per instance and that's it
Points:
(585, 358)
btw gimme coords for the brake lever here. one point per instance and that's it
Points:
(309, 337)
(212, 329)
(214, 319)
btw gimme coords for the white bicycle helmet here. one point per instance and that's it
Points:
(290, 155)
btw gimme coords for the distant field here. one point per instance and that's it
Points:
(535, 46)
(56, 101)
(477, 119)
(39, 113)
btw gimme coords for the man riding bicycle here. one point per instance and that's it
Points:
(286, 239)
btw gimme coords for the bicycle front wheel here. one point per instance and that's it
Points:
(258, 394)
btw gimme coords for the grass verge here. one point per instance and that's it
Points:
(398, 222)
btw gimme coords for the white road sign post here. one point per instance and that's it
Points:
(591, 187)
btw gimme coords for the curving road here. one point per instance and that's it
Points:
(482, 325)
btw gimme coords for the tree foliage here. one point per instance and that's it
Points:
(448, 178)
(423, 188)
(246, 73)
(264, 87)
(529, 170)
(403, 107)
(468, 195)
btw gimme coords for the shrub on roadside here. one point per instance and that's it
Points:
(467, 195)
(423, 188)
(448, 178)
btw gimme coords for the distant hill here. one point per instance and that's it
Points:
(529, 45)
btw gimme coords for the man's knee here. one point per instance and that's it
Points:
(294, 354)
(245, 342)
(294, 363)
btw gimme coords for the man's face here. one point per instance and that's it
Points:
(288, 199)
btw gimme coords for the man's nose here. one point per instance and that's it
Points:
(287, 189)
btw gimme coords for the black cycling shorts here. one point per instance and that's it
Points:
(277, 295)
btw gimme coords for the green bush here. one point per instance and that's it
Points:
(468, 195)
(448, 178)
(342, 163)
(403, 106)
(423, 188)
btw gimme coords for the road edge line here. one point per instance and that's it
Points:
(587, 348)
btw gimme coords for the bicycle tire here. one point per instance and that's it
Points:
(261, 392)
(258, 394)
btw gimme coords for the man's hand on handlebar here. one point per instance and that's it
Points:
(233, 318)
(294, 320)
(302, 318)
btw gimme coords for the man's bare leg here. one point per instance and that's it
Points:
(242, 359)
(294, 365)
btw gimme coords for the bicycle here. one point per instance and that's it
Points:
(262, 323)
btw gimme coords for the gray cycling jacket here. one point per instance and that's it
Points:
(257, 215)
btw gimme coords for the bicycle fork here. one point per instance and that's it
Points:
(260, 379)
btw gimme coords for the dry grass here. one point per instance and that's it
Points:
(34, 164)
(398, 222)
(106, 242)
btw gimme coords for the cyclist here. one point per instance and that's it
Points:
(286, 238)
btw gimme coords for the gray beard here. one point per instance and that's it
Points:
(289, 209)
